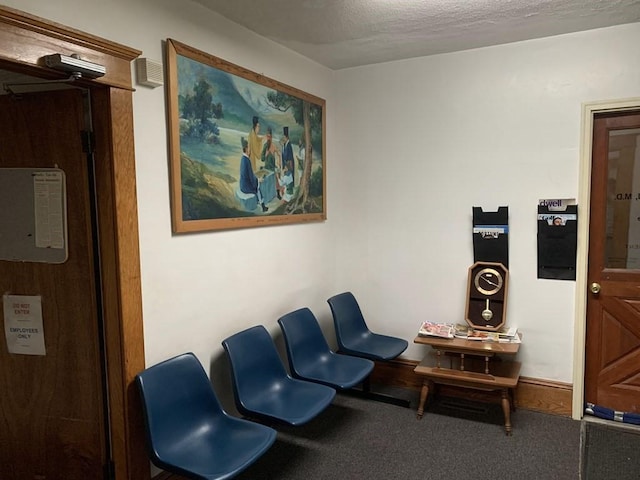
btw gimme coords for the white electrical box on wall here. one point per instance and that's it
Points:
(149, 72)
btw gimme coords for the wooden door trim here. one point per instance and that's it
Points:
(24, 40)
(589, 110)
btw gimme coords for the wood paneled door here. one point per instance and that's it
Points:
(612, 357)
(52, 405)
(54, 420)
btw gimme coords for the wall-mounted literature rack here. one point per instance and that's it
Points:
(491, 236)
(557, 242)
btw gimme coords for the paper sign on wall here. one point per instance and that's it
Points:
(34, 228)
(23, 324)
(48, 192)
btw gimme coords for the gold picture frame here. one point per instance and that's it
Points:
(245, 150)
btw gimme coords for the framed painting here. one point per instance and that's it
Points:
(245, 150)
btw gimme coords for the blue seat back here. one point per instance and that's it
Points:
(304, 339)
(348, 320)
(178, 401)
(256, 366)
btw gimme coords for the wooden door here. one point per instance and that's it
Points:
(51, 407)
(612, 375)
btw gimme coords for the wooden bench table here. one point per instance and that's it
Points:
(470, 364)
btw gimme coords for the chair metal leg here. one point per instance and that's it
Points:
(366, 393)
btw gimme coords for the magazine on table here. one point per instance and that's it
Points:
(504, 335)
(461, 330)
(483, 335)
(465, 332)
(434, 329)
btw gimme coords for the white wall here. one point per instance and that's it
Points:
(411, 147)
(425, 140)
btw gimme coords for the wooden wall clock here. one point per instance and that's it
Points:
(487, 296)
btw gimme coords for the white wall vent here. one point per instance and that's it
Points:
(149, 72)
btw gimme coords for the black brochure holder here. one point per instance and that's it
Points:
(491, 236)
(557, 243)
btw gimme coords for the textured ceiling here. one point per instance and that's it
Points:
(348, 33)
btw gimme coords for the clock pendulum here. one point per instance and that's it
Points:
(487, 314)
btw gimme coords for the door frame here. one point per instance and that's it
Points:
(589, 110)
(24, 40)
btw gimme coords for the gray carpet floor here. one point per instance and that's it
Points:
(610, 450)
(361, 439)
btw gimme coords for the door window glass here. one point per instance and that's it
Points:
(623, 200)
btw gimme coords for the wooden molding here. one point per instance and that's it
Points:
(544, 396)
(25, 39)
(116, 191)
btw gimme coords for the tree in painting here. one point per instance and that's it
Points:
(198, 109)
(310, 117)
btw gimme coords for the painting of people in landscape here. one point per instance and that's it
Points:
(245, 150)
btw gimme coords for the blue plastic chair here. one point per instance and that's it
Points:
(355, 338)
(311, 358)
(262, 387)
(188, 432)
(353, 335)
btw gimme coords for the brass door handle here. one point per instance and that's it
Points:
(595, 287)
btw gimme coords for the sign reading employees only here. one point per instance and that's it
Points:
(23, 324)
